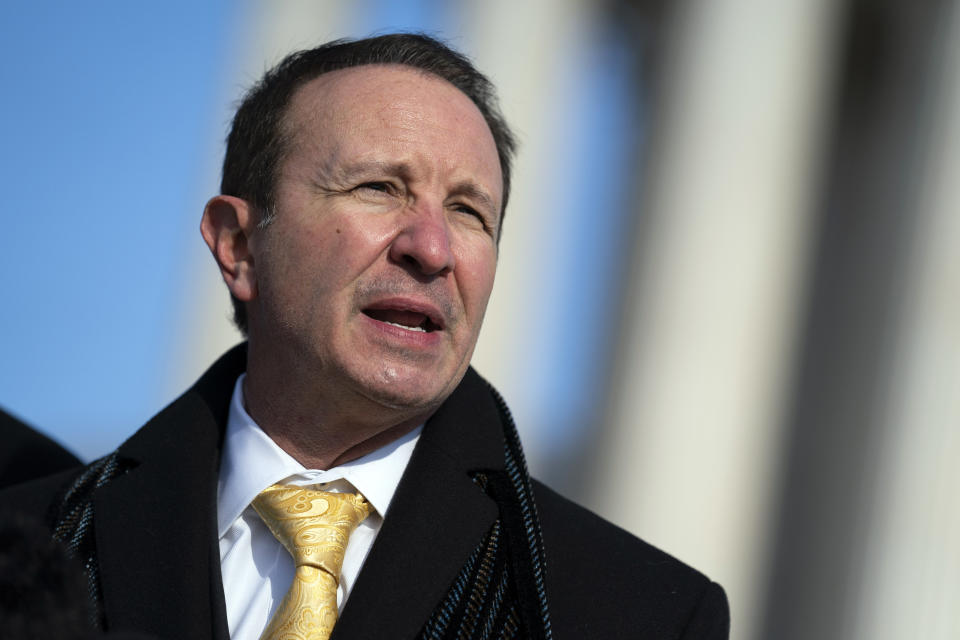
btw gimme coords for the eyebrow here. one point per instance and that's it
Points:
(374, 166)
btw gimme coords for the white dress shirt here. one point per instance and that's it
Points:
(256, 569)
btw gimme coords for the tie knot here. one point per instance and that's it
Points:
(313, 525)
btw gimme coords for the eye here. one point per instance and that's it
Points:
(382, 187)
(477, 217)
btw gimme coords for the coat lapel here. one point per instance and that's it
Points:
(437, 518)
(162, 513)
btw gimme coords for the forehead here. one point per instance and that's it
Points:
(391, 109)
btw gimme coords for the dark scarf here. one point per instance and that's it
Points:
(500, 591)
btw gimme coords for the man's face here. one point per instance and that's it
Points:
(376, 270)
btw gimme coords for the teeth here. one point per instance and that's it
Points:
(403, 326)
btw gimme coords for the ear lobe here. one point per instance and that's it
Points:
(226, 227)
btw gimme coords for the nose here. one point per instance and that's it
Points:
(424, 242)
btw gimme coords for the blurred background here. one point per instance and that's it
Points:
(727, 315)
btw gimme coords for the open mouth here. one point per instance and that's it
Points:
(410, 320)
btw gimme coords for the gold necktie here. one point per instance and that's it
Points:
(314, 527)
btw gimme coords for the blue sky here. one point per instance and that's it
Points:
(105, 106)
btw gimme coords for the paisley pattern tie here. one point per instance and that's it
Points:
(313, 526)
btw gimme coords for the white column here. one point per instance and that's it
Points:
(910, 583)
(714, 294)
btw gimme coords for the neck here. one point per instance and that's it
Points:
(321, 428)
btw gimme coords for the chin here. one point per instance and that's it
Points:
(396, 388)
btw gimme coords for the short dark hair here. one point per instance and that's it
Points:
(257, 141)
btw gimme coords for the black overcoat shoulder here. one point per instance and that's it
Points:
(28, 454)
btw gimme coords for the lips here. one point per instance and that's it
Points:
(410, 315)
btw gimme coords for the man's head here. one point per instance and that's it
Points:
(366, 255)
(258, 139)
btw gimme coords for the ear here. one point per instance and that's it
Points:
(226, 226)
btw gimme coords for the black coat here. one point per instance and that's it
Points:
(26, 453)
(158, 558)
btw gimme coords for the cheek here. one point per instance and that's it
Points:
(355, 245)
(476, 276)
(329, 253)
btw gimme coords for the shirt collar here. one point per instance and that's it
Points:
(251, 462)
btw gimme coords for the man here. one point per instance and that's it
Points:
(362, 200)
